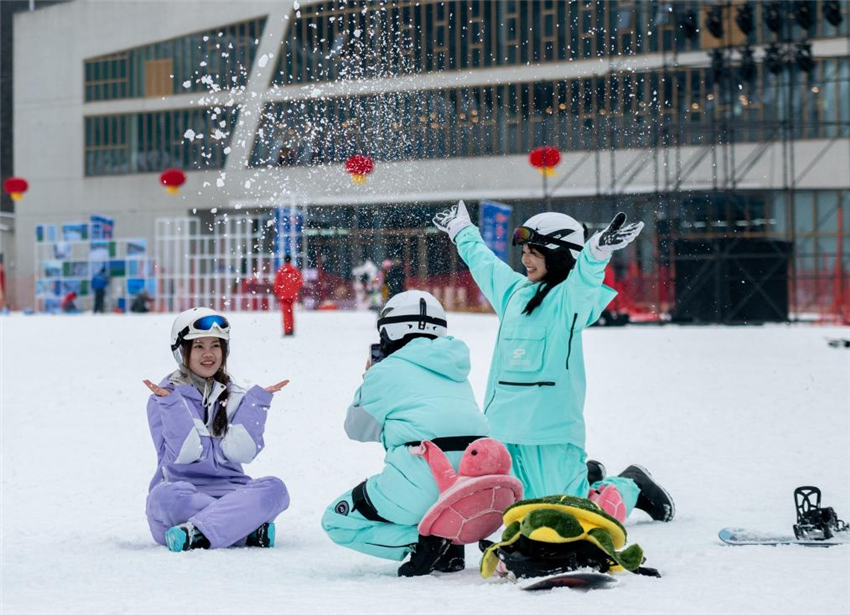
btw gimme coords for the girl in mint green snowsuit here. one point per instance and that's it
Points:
(536, 387)
(419, 392)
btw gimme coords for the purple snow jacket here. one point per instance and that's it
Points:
(187, 451)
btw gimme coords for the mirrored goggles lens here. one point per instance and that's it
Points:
(206, 323)
(523, 234)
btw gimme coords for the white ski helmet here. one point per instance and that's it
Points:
(568, 232)
(412, 312)
(194, 323)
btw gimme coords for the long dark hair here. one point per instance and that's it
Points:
(559, 263)
(219, 424)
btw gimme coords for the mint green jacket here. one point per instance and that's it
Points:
(419, 392)
(536, 388)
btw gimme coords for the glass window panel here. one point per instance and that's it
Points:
(778, 220)
(827, 212)
(844, 221)
(804, 211)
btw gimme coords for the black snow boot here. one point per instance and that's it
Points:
(185, 537)
(262, 537)
(426, 553)
(454, 559)
(595, 471)
(653, 498)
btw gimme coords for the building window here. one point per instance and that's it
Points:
(366, 39)
(190, 139)
(220, 58)
(619, 110)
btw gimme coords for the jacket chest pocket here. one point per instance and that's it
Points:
(523, 348)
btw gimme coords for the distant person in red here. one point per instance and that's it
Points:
(287, 283)
(69, 303)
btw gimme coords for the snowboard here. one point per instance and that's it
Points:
(573, 580)
(740, 537)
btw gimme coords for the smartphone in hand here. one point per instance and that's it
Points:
(376, 355)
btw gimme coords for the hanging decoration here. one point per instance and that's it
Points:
(15, 187)
(172, 179)
(359, 166)
(545, 159)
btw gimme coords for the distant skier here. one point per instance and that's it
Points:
(204, 427)
(98, 284)
(536, 388)
(396, 278)
(418, 391)
(287, 284)
(69, 303)
(140, 302)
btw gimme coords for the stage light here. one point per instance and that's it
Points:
(803, 57)
(773, 58)
(803, 14)
(714, 21)
(744, 19)
(831, 10)
(772, 15)
(687, 21)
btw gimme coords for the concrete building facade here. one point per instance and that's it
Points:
(448, 98)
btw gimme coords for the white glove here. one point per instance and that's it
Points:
(615, 237)
(453, 220)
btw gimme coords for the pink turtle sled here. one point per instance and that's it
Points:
(471, 502)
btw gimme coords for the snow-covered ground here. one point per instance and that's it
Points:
(730, 420)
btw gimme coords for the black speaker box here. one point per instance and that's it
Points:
(731, 281)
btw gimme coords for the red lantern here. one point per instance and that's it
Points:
(545, 159)
(172, 179)
(359, 166)
(15, 187)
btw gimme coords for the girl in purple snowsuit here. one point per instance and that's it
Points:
(204, 427)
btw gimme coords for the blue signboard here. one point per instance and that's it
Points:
(289, 226)
(102, 227)
(494, 221)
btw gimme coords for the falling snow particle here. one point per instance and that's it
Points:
(264, 59)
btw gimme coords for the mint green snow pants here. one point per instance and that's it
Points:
(348, 528)
(555, 469)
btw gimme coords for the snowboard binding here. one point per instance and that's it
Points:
(814, 522)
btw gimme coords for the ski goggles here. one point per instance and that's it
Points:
(206, 323)
(523, 235)
(202, 327)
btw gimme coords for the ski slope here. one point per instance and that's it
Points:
(730, 420)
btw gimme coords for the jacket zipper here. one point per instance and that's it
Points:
(528, 384)
(570, 343)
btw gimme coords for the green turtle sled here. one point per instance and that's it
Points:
(559, 541)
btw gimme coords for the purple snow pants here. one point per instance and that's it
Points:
(225, 520)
